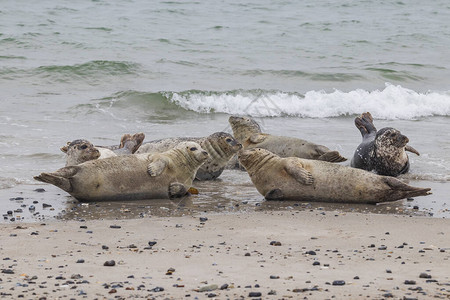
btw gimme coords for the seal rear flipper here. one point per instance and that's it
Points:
(132, 142)
(411, 149)
(177, 190)
(60, 178)
(332, 156)
(300, 174)
(365, 124)
(406, 190)
(275, 194)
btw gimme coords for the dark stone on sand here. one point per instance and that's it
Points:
(275, 243)
(356, 277)
(311, 252)
(224, 286)
(247, 254)
(388, 295)
(104, 247)
(424, 275)
(415, 207)
(316, 263)
(203, 219)
(115, 226)
(40, 190)
(83, 227)
(80, 261)
(7, 271)
(274, 277)
(410, 199)
(339, 282)
(382, 247)
(410, 282)
(272, 292)
(388, 271)
(254, 294)
(9, 212)
(109, 263)
(157, 289)
(32, 207)
(45, 205)
(152, 243)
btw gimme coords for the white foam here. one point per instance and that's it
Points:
(393, 102)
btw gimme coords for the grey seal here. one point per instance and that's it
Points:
(131, 177)
(220, 146)
(81, 150)
(294, 178)
(248, 132)
(382, 151)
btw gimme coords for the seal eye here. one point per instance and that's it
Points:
(83, 147)
(193, 149)
(228, 140)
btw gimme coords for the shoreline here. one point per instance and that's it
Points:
(269, 255)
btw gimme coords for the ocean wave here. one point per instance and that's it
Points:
(393, 102)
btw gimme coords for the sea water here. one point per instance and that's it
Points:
(99, 69)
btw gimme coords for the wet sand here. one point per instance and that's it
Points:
(269, 254)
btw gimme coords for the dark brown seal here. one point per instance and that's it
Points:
(382, 151)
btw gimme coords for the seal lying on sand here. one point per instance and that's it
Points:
(294, 178)
(80, 151)
(248, 133)
(131, 177)
(220, 146)
(382, 151)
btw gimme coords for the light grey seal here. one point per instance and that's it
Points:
(80, 151)
(382, 151)
(220, 146)
(131, 177)
(294, 178)
(248, 132)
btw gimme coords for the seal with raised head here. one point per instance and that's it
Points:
(220, 146)
(248, 132)
(382, 151)
(131, 177)
(80, 151)
(299, 179)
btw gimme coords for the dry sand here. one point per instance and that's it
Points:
(268, 255)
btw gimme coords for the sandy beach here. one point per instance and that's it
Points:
(267, 255)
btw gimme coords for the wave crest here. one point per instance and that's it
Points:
(393, 102)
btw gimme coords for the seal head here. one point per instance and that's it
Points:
(79, 151)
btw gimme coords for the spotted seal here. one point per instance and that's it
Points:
(220, 146)
(382, 151)
(79, 151)
(293, 178)
(248, 132)
(131, 177)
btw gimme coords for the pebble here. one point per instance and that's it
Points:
(254, 294)
(224, 286)
(104, 247)
(424, 275)
(275, 243)
(80, 261)
(40, 190)
(208, 288)
(311, 252)
(157, 289)
(115, 226)
(339, 282)
(316, 263)
(203, 219)
(152, 243)
(109, 263)
(410, 282)
(274, 277)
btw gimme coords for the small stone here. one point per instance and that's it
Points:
(388, 271)
(410, 199)
(382, 247)
(152, 243)
(80, 261)
(224, 286)
(113, 291)
(45, 205)
(40, 190)
(247, 254)
(356, 277)
(32, 207)
(275, 243)
(274, 277)
(170, 271)
(104, 247)
(415, 207)
(109, 263)
(311, 252)
(203, 219)
(254, 294)
(410, 282)
(424, 275)
(316, 263)
(157, 289)
(208, 288)
(338, 282)
(115, 226)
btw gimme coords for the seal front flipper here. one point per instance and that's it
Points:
(332, 156)
(275, 194)
(298, 172)
(60, 178)
(177, 190)
(411, 149)
(365, 124)
(156, 167)
(257, 138)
